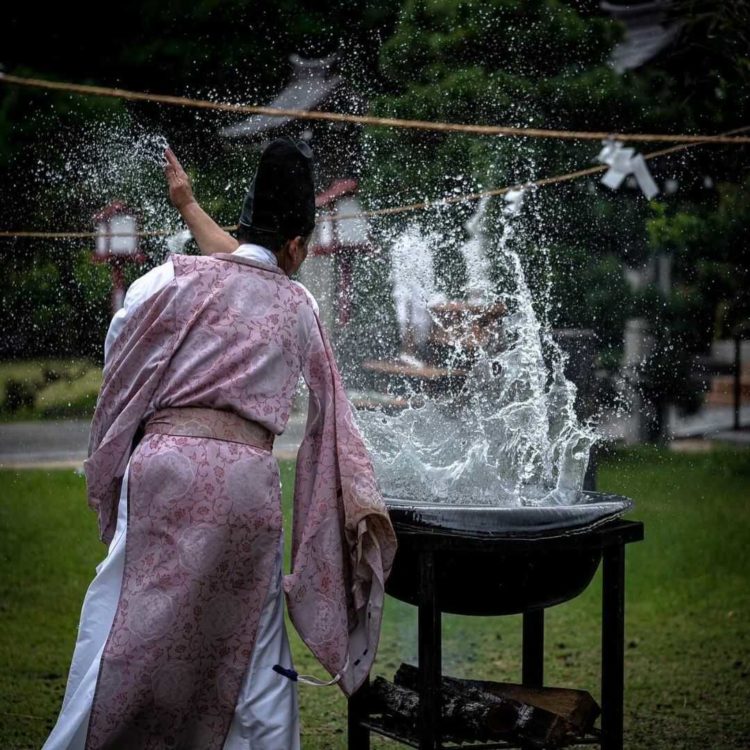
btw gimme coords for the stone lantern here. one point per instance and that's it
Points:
(117, 244)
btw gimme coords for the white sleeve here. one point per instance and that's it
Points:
(312, 299)
(138, 292)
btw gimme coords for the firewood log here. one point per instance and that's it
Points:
(577, 707)
(462, 720)
(534, 725)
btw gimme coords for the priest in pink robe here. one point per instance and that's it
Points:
(181, 642)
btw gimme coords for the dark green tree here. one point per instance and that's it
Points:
(545, 64)
(232, 51)
(537, 64)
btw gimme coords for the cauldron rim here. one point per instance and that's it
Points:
(531, 521)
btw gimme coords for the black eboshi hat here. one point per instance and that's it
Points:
(281, 199)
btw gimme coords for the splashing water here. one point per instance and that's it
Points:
(413, 280)
(479, 284)
(151, 147)
(124, 162)
(511, 436)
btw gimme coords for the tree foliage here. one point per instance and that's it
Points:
(232, 51)
(546, 64)
(541, 63)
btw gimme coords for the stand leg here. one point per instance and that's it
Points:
(533, 648)
(613, 647)
(358, 736)
(430, 656)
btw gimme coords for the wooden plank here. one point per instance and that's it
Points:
(426, 372)
(577, 707)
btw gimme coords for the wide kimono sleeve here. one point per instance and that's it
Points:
(343, 541)
(135, 364)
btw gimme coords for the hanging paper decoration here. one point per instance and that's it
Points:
(513, 201)
(623, 162)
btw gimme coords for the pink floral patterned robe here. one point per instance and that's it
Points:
(203, 515)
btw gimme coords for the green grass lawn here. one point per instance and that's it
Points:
(48, 389)
(688, 607)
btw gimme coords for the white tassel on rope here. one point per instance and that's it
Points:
(309, 679)
(623, 162)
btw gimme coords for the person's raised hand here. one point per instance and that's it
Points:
(180, 189)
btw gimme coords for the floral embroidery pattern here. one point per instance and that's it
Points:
(192, 592)
(204, 519)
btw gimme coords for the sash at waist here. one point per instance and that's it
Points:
(194, 421)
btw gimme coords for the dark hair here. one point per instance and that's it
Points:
(273, 241)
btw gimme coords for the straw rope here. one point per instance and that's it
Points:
(374, 213)
(388, 122)
(687, 141)
(519, 186)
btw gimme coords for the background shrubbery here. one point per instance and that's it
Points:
(48, 389)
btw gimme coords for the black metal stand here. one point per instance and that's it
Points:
(609, 539)
(532, 655)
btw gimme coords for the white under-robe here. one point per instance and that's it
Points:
(266, 716)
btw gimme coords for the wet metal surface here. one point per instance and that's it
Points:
(586, 511)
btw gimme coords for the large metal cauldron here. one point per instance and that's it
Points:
(481, 567)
